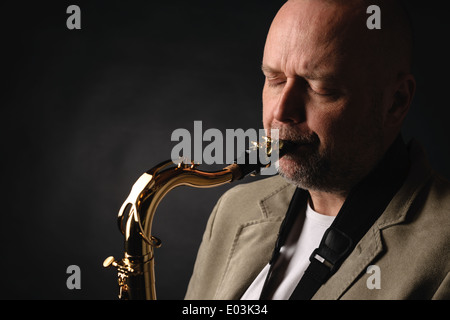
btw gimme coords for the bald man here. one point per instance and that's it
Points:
(354, 213)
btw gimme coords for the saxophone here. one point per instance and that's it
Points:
(136, 271)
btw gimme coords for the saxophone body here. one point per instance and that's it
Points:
(136, 270)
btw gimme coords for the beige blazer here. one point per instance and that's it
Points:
(409, 243)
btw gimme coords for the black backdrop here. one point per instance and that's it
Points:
(85, 112)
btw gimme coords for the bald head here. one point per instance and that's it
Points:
(343, 22)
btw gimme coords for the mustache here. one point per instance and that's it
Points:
(295, 136)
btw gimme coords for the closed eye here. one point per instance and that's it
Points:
(275, 84)
(321, 92)
(324, 94)
(276, 81)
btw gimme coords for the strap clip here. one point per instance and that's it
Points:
(333, 248)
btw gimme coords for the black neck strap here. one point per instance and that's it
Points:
(362, 207)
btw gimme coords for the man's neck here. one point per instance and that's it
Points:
(326, 203)
(330, 203)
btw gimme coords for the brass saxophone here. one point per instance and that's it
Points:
(136, 271)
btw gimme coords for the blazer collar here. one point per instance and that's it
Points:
(420, 173)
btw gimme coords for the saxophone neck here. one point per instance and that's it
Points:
(136, 270)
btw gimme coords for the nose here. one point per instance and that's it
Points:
(290, 107)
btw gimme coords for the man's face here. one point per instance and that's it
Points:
(319, 92)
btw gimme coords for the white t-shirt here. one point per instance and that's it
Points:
(305, 236)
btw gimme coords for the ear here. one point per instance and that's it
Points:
(404, 90)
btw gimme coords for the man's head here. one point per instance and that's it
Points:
(338, 89)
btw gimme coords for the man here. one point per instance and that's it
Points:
(339, 92)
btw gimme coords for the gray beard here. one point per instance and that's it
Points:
(332, 170)
(318, 175)
(314, 172)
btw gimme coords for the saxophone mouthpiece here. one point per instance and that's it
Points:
(263, 152)
(269, 144)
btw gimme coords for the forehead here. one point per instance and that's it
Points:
(307, 36)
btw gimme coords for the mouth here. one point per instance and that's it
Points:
(291, 148)
(286, 146)
(292, 143)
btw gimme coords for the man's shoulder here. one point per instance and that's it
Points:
(432, 195)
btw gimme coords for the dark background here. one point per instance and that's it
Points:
(86, 112)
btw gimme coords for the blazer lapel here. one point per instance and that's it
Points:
(253, 244)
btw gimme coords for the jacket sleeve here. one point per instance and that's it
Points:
(197, 284)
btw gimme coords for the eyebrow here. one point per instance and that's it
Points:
(266, 69)
(310, 76)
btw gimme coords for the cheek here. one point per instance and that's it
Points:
(267, 120)
(325, 121)
(344, 127)
(268, 104)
